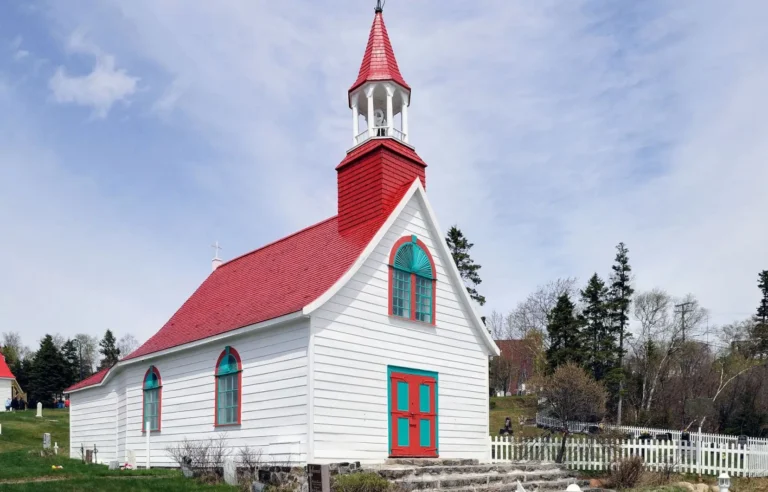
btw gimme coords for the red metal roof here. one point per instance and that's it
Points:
(5, 371)
(379, 61)
(278, 279)
(95, 378)
(272, 281)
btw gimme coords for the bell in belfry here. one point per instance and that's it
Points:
(380, 123)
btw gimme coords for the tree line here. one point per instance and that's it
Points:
(61, 362)
(655, 356)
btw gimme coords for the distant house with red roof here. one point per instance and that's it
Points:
(351, 340)
(8, 386)
(521, 355)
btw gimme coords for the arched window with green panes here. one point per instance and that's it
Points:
(228, 387)
(412, 281)
(152, 390)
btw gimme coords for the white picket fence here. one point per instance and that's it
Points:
(582, 453)
(704, 437)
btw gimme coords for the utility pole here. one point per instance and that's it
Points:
(683, 310)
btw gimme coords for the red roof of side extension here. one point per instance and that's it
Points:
(379, 61)
(5, 371)
(95, 378)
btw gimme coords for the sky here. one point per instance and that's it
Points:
(134, 134)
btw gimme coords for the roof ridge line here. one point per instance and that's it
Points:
(277, 241)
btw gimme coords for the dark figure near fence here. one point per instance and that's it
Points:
(507, 429)
(667, 436)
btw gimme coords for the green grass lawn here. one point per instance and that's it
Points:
(513, 407)
(22, 467)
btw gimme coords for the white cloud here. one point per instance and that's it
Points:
(552, 130)
(104, 86)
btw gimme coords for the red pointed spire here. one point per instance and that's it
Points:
(379, 61)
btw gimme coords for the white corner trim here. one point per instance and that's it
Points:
(415, 189)
(450, 265)
(204, 341)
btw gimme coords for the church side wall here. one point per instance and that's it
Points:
(5, 392)
(274, 398)
(354, 340)
(92, 422)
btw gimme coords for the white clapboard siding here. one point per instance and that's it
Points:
(354, 340)
(5, 392)
(93, 423)
(274, 399)
(602, 454)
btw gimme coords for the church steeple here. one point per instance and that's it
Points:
(380, 92)
(381, 164)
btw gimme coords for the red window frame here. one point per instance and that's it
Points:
(234, 353)
(412, 314)
(153, 370)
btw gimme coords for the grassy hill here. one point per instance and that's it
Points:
(513, 407)
(22, 468)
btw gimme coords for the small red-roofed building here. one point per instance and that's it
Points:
(8, 386)
(351, 340)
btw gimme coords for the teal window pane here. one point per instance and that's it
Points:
(425, 433)
(227, 399)
(424, 299)
(401, 293)
(402, 396)
(227, 365)
(424, 400)
(402, 432)
(151, 405)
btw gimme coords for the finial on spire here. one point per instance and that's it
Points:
(380, 6)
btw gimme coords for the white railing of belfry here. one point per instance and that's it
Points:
(380, 131)
(543, 421)
(602, 454)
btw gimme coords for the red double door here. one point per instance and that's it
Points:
(413, 419)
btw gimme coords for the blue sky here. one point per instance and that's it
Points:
(134, 134)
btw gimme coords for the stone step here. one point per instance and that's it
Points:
(430, 462)
(453, 481)
(401, 471)
(533, 486)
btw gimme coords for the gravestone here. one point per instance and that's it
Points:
(743, 440)
(56, 448)
(130, 458)
(39, 410)
(46, 441)
(319, 478)
(89, 456)
(230, 471)
(114, 465)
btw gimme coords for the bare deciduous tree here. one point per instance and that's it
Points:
(571, 394)
(127, 344)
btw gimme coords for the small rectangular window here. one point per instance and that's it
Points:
(150, 408)
(401, 293)
(424, 299)
(227, 399)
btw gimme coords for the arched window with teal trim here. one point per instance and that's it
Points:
(229, 372)
(412, 281)
(152, 393)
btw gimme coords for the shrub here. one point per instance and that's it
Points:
(361, 482)
(492, 404)
(627, 473)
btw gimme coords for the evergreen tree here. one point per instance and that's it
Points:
(620, 298)
(760, 330)
(48, 374)
(109, 350)
(565, 340)
(599, 340)
(21, 370)
(69, 352)
(460, 247)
